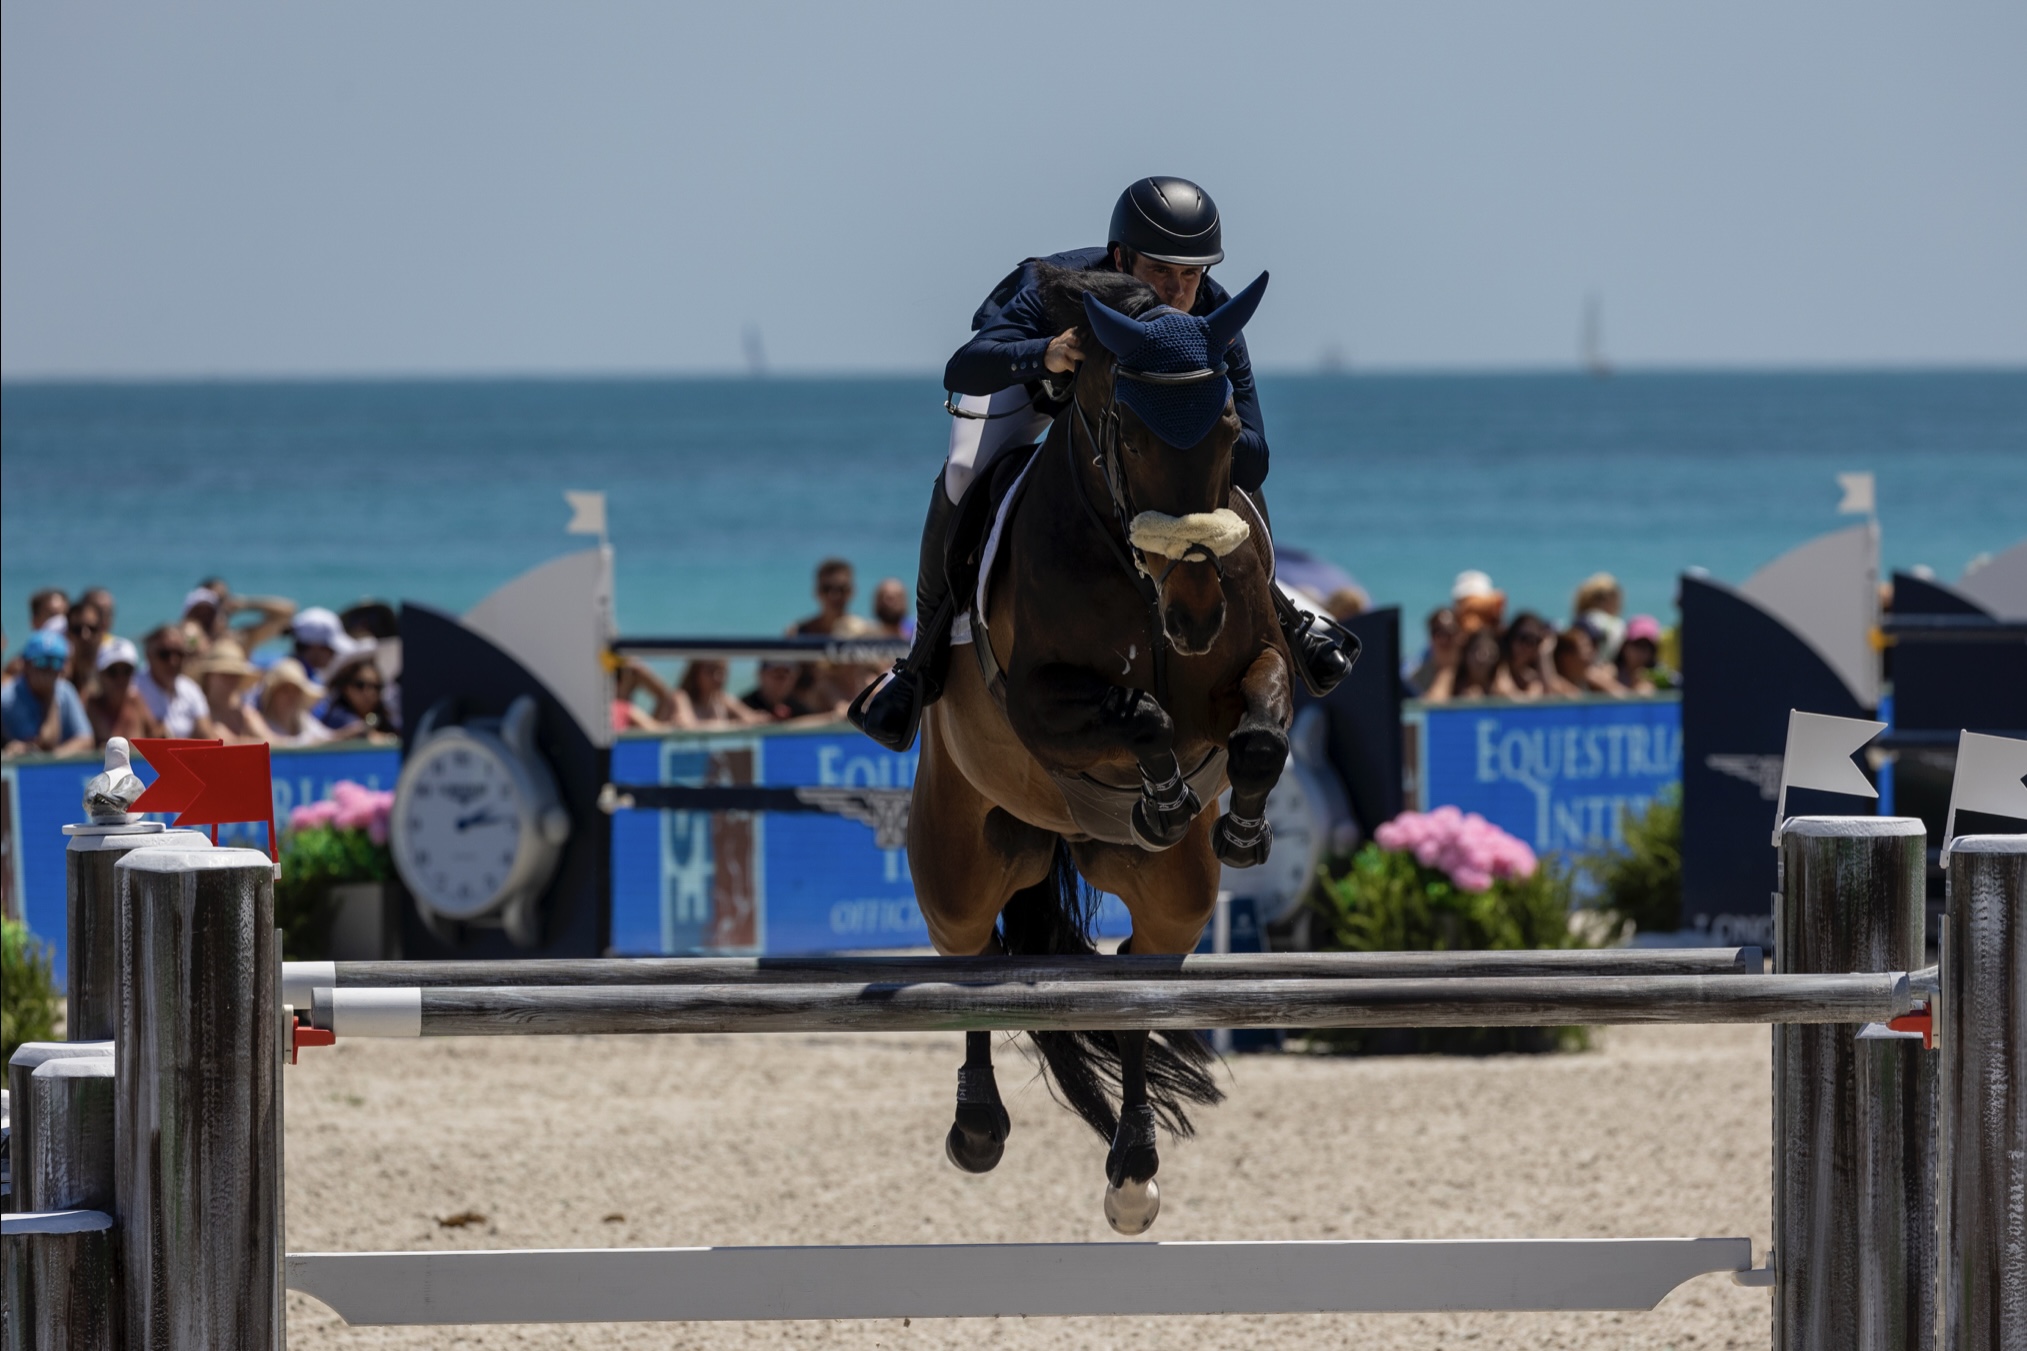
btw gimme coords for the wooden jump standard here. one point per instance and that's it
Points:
(193, 1254)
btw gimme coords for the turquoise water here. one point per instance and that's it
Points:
(724, 493)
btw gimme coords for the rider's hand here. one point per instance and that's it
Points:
(1063, 354)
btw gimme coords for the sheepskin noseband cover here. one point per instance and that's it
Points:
(1219, 531)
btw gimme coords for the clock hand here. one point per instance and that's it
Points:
(482, 817)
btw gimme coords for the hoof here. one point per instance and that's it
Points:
(1242, 844)
(977, 1139)
(1131, 1209)
(1157, 826)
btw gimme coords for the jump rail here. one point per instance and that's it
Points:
(196, 1229)
(1121, 1005)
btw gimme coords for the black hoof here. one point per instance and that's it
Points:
(1133, 1157)
(1242, 844)
(1160, 825)
(977, 1138)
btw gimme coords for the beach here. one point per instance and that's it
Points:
(711, 1140)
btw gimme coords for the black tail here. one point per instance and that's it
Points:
(1051, 918)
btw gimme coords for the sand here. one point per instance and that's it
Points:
(649, 1142)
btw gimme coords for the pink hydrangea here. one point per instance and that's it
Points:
(1470, 850)
(350, 807)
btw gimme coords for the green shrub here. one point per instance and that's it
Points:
(1641, 885)
(315, 859)
(1383, 900)
(28, 997)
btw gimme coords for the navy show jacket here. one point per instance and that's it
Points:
(1011, 335)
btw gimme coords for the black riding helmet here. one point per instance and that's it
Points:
(1170, 220)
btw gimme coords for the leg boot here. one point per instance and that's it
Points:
(890, 709)
(1322, 648)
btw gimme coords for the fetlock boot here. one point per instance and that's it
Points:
(890, 709)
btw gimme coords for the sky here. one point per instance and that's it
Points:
(207, 190)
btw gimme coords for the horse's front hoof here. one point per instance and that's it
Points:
(1242, 843)
(1131, 1209)
(977, 1139)
(1157, 826)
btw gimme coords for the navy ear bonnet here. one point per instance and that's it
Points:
(1172, 366)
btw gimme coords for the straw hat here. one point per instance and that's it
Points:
(289, 671)
(225, 657)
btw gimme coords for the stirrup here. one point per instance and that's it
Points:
(1302, 628)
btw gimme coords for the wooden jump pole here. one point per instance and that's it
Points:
(1854, 1119)
(300, 978)
(1114, 1005)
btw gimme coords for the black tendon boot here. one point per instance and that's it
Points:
(890, 709)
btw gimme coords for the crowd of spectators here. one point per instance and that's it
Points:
(76, 682)
(1475, 652)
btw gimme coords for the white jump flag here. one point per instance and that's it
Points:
(1859, 495)
(587, 514)
(1991, 777)
(1819, 756)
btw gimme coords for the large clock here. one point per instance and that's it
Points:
(477, 827)
(1310, 816)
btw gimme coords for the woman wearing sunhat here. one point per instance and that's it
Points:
(287, 694)
(224, 674)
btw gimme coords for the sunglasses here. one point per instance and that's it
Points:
(365, 685)
(167, 653)
(836, 588)
(47, 663)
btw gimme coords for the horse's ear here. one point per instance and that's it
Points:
(1117, 333)
(1225, 322)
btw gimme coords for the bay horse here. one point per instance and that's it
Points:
(1127, 667)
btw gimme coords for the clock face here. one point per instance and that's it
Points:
(458, 826)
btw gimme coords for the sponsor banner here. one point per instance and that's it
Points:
(44, 796)
(1562, 776)
(768, 883)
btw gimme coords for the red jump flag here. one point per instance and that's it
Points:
(234, 783)
(175, 787)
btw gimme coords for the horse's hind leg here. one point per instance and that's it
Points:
(1257, 752)
(1132, 1200)
(977, 1137)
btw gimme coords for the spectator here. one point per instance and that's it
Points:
(1347, 602)
(1640, 668)
(224, 674)
(47, 606)
(1479, 672)
(775, 694)
(287, 694)
(114, 706)
(172, 697)
(39, 709)
(210, 607)
(358, 706)
(370, 620)
(701, 700)
(1446, 635)
(321, 641)
(1525, 649)
(1598, 603)
(100, 597)
(891, 610)
(632, 679)
(1479, 604)
(1576, 661)
(831, 685)
(85, 626)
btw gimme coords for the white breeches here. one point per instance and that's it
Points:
(975, 444)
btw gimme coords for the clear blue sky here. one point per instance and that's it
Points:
(507, 187)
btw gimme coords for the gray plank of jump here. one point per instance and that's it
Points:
(575, 1285)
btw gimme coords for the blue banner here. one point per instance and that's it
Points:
(44, 796)
(764, 883)
(1562, 776)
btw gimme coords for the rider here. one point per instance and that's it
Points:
(1015, 375)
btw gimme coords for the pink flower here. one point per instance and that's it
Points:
(350, 807)
(1470, 850)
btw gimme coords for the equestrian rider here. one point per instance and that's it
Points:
(1015, 375)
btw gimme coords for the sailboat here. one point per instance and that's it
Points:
(1595, 361)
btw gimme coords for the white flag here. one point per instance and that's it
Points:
(1858, 494)
(1991, 777)
(1819, 756)
(587, 513)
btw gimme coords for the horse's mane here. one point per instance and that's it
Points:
(1064, 288)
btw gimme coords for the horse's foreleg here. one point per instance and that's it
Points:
(1073, 708)
(1256, 753)
(1132, 1199)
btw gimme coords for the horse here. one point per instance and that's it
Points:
(1126, 669)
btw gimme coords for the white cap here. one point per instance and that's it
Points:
(113, 651)
(1469, 583)
(318, 627)
(200, 595)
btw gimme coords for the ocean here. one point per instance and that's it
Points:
(724, 493)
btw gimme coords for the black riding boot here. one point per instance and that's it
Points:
(890, 709)
(1322, 648)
